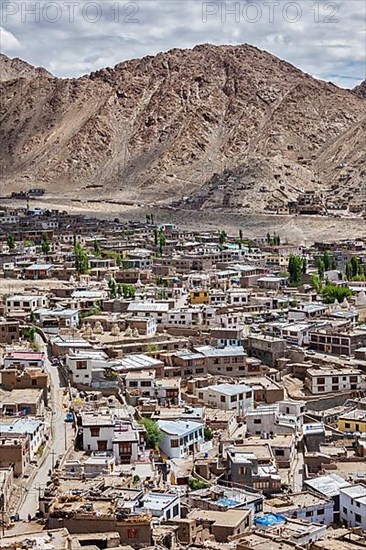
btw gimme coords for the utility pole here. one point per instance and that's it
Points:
(53, 459)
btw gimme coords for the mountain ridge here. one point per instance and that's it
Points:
(162, 127)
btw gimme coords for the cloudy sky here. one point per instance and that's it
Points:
(72, 37)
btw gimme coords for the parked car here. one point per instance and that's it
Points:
(69, 416)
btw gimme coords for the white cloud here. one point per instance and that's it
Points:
(8, 41)
(334, 49)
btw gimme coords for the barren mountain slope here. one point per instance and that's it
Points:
(165, 127)
(16, 68)
(361, 89)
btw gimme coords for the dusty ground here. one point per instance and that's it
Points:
(12, 286)
(295, 229)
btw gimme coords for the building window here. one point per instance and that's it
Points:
(357, 518)
(174, 443)
(132, 533)
(321, 512)
(344, 510)
(222, 399)
(309, 513)
(94, 432)
(257, 421)
(279, 452)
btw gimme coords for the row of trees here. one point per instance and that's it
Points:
(355, 271)
(45, 243)
(117, 290)
(273, 240)
(297, 267)
(159, 240)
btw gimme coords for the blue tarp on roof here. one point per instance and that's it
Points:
(229, 502)
(270, 519)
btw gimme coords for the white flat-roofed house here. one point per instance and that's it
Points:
(325, 380)
(25, 359)
(81, 365)
(138, 362)
(25, 302)
(87, 299)
(352, 502)
(34, 428)
(293, 333)
(307, 311)
(164, 506)
(149, 309)
(141, 381)
(237, 397)
(237, 296)
(146, 326)
(284, 417)
(126, 443)
(305, 506)
(183, 317)
(98, 431)
(180, 437)
(145, 384)
(271, 282)
(53, 319)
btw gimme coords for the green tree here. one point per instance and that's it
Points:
(81, 258)
(304, 266)
(156, 237)
(321, 268)
(326, 260)
(355, 266)
(316, 282)
(96, 249)
(162, 241)
(30, 334)
(349, 271)
(112, 285)
(222, 238)
(153, 433)
(10, 241)
(196, 484)
(45, 244)
(295, 268)
(208, 433)
(127, 291)
(331, 293)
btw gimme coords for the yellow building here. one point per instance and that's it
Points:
(198, 297)
(354, 421)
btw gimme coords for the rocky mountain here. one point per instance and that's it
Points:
(216, 126)
(16, 68)
(361, 89)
